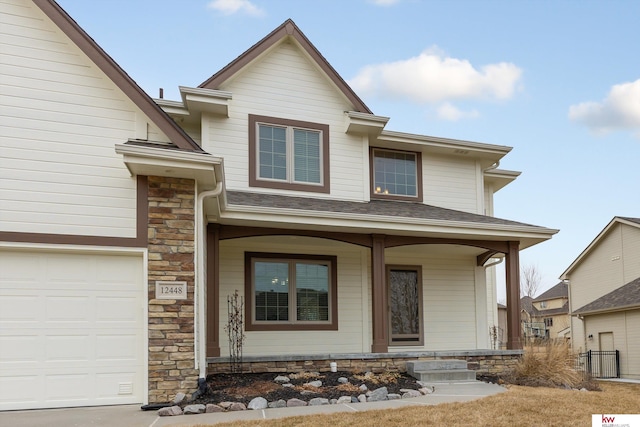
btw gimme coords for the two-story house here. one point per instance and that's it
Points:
(553, 311)
(127, 221)
(604, 294)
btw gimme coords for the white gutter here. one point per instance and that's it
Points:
(200, 291)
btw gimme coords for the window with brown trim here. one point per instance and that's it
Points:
(395, 174)
(288, 154)
(405, 305)
(290, 292)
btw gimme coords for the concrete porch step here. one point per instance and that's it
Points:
(452, 370)
(445, 376)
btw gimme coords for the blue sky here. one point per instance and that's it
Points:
(559, 81)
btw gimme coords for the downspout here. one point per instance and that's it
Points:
(199, 295)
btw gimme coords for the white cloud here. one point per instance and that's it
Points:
(450, 112)
(385, 2)
(229, 7)
(432, 77)
(619, 110)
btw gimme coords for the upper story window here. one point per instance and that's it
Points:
(543, 304)
(396, 174)
(288, 154)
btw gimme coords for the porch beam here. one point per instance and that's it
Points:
(213, 290)
(379, 296)
(514, 328)
(235, 232)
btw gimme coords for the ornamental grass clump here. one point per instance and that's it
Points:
(549, 365)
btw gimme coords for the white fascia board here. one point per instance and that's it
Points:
(500, 177)
(438, 142)
(415, 226)
(363, 123)
(142, 160)
(207, 100)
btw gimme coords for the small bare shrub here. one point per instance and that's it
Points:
(384, 377)
(305, 375)
(551, 365)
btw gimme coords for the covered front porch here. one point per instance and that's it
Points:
(454, 303)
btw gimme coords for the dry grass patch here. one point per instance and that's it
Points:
(551, 365)
(520, 406)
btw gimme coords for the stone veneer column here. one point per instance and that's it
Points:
(171, 258)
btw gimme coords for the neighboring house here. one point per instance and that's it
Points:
(604, 294)
(546, 316)
(532, 326)
(552, 308)
(122, 234)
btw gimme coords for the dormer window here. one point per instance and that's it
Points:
(288, 154)
(396, 175)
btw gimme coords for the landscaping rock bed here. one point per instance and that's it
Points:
(238, 392)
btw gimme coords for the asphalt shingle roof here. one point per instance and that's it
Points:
(625, 296)
(526, 304)
(386, 208)
(561, 290)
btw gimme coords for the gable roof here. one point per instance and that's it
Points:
(627, 296)
(634, 222)
(526, 304)
(287, 29)
(561, 290)
(119, 77)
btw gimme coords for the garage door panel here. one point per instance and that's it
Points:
(20, 351)
(68, 387)
(68, 348)
(119, 310)
(68, 308)
(20, 307)
(116, 347)
(71, 330)
(21, 391)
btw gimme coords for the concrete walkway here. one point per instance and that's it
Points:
(132, 416)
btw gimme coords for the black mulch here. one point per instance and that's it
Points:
(244, 387)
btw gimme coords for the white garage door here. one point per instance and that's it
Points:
(71, 329)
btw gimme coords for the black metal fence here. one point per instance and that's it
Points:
(599, 364)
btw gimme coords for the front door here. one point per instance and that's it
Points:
(405, 305)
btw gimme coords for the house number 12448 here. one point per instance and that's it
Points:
(171, 290)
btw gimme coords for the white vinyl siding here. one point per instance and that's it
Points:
(632, 320)
(285, 84)
(72, 329)
(59, 122)
(450, 182)
(603, 269)
(630, 252)
(626, 338)
(610, 264)
(347, 339)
